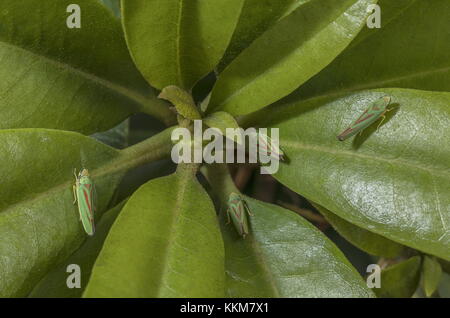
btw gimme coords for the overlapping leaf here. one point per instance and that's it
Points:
(365, 240)
(400, 280)
(285, 256)
(54, 284)
(410, 50)
(257, 16)
(220, 121)
(177, 42)
(288, 54)
(72, 79)
(39, 223)
(432, 273)
(165, 243)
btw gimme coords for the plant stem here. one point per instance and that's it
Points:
(152, 149)
(220, 180)
(188, 169)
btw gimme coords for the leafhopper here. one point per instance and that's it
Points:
(237, 211)
(272, 148)
(84, 194)
(268, 145)
(375, 111)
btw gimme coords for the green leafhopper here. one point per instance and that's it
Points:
(271, 147)
(84, 194)
(268, 145)
(376, 110)
(238, 210)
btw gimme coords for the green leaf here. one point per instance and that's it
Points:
(71, 79)
(400, 280)
(365, 240)
(165, 243)
(432, 273)
(177, 42)
(53, 285)
(399, 54)
(285, 256)
(221, 121)
(393, 182)
(182, 100)
(288, 54)
(257, 16)
(39, 224)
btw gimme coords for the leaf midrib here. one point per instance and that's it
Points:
(302, 146)
(257, 251)
(122, 90)
(182, 182)
(377, 84)
(248, 85)
(261, 259)
(178, 42)
(62, 186)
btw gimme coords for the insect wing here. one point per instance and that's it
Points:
(370, 115)
(238, 216)
(270, 147)
(85, 196)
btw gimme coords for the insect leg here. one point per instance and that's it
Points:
(383, 117)
(228, 216)
(247, 209)
(74, 189)
(389, 109)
